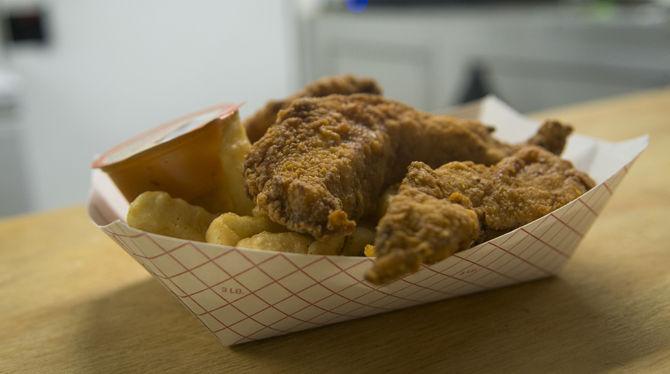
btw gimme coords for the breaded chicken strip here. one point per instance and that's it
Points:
(327, 160)
(258, 123)
(439, 212)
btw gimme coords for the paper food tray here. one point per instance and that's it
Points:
(242, 295)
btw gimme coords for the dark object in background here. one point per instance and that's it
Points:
(25, 26)
(477, 84)
(411, 3)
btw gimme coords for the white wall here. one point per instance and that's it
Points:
(118, 67)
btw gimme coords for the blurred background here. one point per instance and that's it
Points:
(79, 76)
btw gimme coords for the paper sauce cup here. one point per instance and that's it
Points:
(180, 157)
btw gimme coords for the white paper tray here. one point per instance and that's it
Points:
(242, 295)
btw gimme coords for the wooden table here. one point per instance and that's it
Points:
(72, 301)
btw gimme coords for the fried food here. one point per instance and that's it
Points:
(220, 233)
(330, 246)
(326, 161)
(439, 212)
(230, 228)
(552, 136)
(369, 251)
(257, 124)
(354, 244)
(159, 213)
(246, 226)
(338, 245)
(282, 242)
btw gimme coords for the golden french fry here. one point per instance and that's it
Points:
(220, 233)
(229, 228)
(280, 242)
(246, 226)
(369, 251)
(331, 246)
(157, 212)
(356, 242)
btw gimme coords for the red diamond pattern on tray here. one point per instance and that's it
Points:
(228, 315)
(254, 279)
(308, 313)
(210, 322)
(278, 265)
(144, 245)
(234, 263)
(296, 282)
(193, 306)
(290, 323)
(210, 274)
(250, 305)
(243, 295)
(213, 252)
(354, 292)
(167, 266)
(188, 283)
(189, 256)
(291, 305)
(332, 301)
(321, 270)
(273, 293)
(269, 316)
(314, 293)
(208, 300)
(337, 282)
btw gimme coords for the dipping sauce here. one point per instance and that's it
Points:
(181, 158)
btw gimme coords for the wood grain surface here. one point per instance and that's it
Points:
(72, 301)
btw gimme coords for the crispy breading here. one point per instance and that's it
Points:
(439, 212)
(326, 161)
(259, 122)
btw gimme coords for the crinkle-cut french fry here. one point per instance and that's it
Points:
(280, 242)
(159, 213)
(369, 251)
(331, 246)
(246, 226)
(234, 148)
(385, 198)
(229, 228)
(219, 233)
(356, 242)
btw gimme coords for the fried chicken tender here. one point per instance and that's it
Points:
(259, 122)
(327, 160)
(439, 212)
